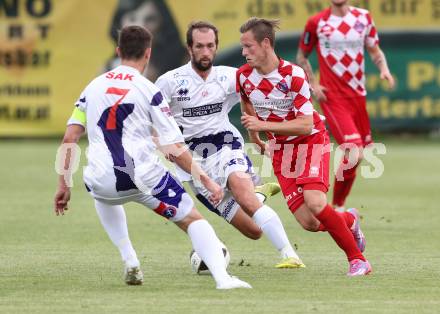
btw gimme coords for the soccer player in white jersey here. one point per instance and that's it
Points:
(340, 35)
(276, 100)
(122, 110)
(200, 97)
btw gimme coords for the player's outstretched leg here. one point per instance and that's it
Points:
(114, 221)
(335, 225)
(209, 248)
(265, 218)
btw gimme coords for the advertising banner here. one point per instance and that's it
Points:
(51, 49)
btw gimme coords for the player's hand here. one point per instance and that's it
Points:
(319, 92)
(263, 148)
(252, 123)
(215, 190)
(61, 199)
(386, 75)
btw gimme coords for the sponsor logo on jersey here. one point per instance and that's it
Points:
(359, 27)
(183, 92)
(274, 104)
(327, 30)
(204, 110)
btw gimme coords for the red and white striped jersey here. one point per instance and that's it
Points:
(340, 43)
(282, 95)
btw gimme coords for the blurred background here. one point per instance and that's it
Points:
(50, 49)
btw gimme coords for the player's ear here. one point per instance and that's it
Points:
(189, 50)
(118, 52)
(147, 54)
(266, 43)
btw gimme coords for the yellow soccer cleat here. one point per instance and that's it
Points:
(290, 262)
(268, 189)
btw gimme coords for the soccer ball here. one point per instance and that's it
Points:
(199, 267)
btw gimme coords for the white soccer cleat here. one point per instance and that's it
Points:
(133, 276)
(233, 283)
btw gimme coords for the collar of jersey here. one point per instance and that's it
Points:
(128, 68)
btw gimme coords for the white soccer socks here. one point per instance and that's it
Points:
(114, 221)
(208, 247)
(269, 222)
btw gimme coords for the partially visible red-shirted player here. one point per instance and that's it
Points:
(340, 34)
(276, 100)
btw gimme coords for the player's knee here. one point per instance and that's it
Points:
(315, 204)
(192, 216)
(249, 202)
(311, 225)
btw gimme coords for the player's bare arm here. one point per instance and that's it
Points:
(179, 154)
(302, 125)
(317, 89)
(379, 59)
(62, 196)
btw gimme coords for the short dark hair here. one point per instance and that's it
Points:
(261, 28)
(133, 41)
(199, 25)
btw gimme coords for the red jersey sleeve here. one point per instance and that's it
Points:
(371, 38)
(239, 88)
(309, 37)
(300, 87)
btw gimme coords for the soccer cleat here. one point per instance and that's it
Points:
(290, 262)
(133, 276)
(356, 230)
(268, 189)
(233, 283)
(359, 268)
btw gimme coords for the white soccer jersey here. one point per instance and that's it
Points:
(201, 107)
(123, 110)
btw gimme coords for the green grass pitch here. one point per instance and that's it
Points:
(67, 264)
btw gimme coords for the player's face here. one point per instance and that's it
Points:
(339, 3)
(252, 50)
(203, 49)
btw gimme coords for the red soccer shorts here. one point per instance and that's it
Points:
(302, 165)
(348, 119)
